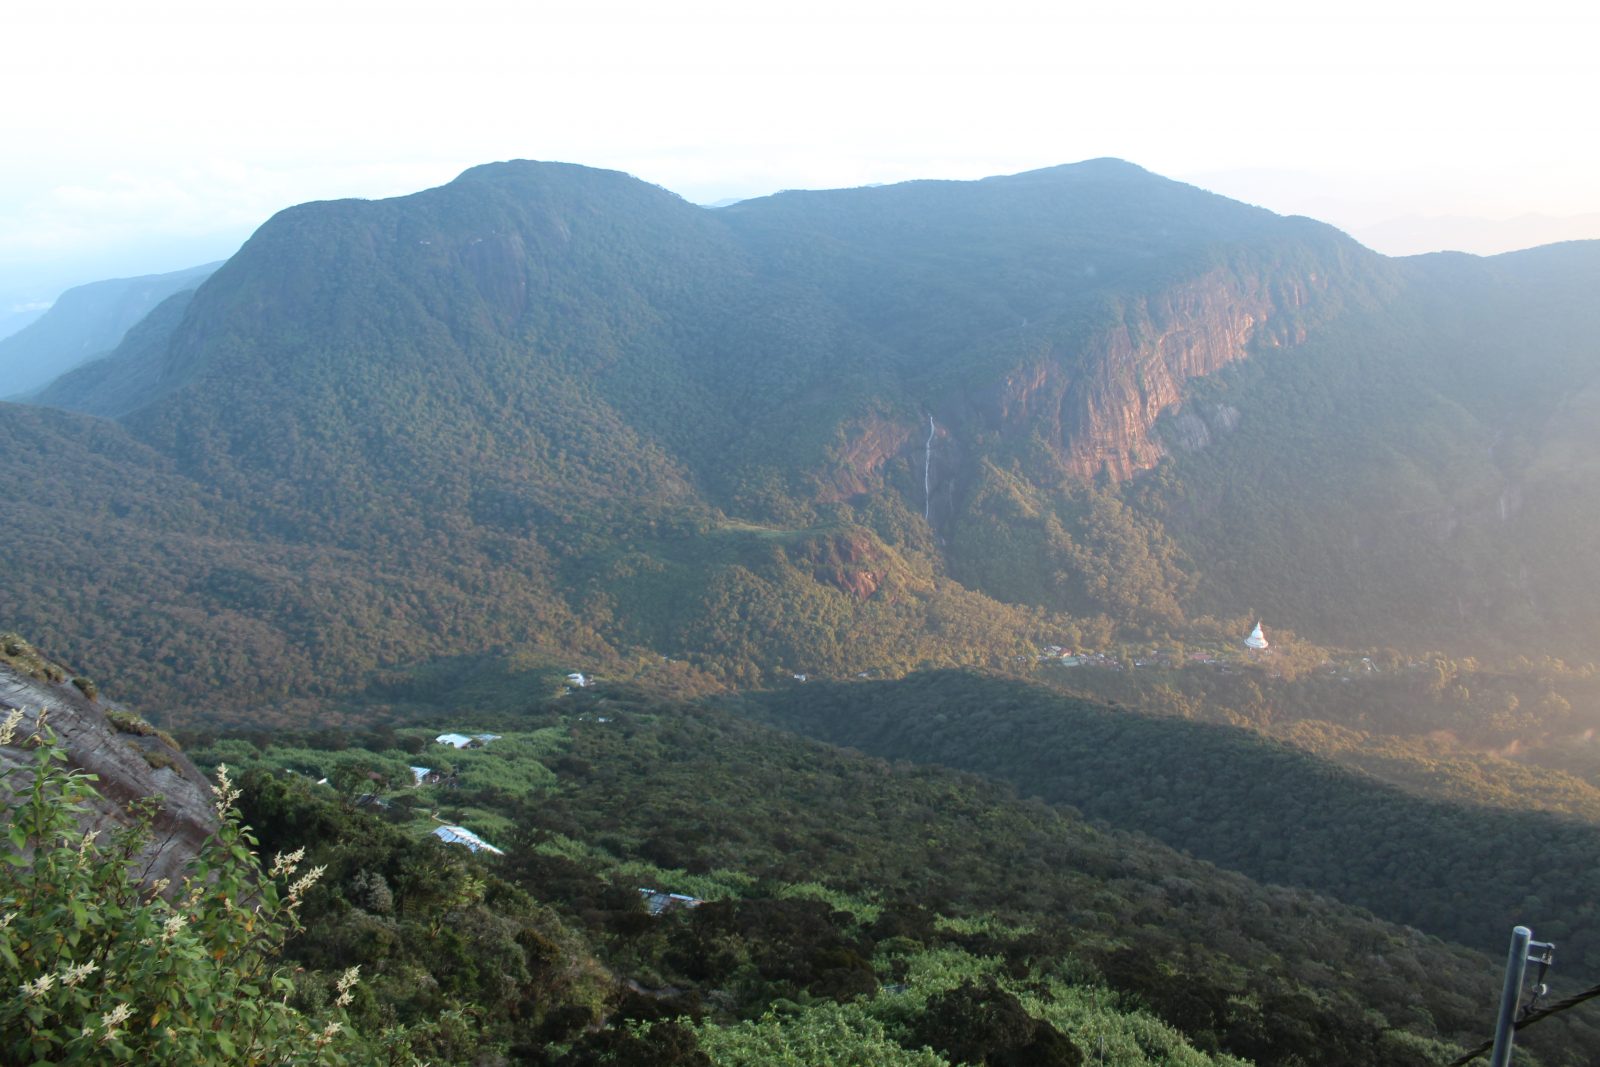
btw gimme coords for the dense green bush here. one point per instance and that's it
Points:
(980, 1023)
(100, 967)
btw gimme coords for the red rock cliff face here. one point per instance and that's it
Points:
(855, 465)
(848, 560)
(1099, 404)
(1095, 404)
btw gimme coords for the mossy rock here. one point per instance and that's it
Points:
(17, 652)
(126, 722)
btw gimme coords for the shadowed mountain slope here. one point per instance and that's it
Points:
(1460, 871)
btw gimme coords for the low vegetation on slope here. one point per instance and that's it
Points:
(1466, 872)
(852, 907)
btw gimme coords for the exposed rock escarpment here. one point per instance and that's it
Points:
(1098, 406)
(856, 464)
(132, 760)
(1091, 402)
(849, 560)
(1094, 404)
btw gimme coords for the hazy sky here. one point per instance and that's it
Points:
(140, 137)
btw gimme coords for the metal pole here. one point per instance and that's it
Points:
(1510, 996)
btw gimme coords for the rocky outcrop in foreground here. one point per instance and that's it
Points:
(132, 759)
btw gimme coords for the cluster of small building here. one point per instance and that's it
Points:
(656, 901)
(420, 776)
(1067, 657)
(1346, 670)
(460, 835)
(428, 776)
(1256, 641)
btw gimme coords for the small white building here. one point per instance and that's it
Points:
(657, 902)
(460, 835)
(576, 678)
(1257, 640)
(466, 740)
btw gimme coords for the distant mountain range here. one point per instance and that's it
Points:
(552, 408)
(20, 314)
(1412, 234)
(85, 322)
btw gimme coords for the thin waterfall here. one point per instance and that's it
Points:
(927, 473)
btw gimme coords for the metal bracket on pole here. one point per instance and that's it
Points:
(1510, 995)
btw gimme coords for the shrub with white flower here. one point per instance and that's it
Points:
(99, 966)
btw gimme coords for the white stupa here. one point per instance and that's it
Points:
(1257, 640)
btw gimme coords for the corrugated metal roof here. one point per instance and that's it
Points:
(460, 835)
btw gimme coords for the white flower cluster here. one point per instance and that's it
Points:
(327, 1034)
(70, 975)
(309, 879)
(39, 986)
(111, 1020)
(346, 982)
(8, 729)
(226, 793)
(284, 864)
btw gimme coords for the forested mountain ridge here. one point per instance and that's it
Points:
(87, 321)
(699, 329)
(556, 409)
